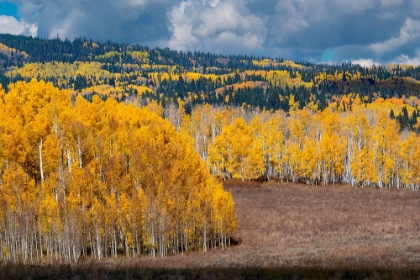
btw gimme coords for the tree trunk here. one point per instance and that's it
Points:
(41, 170)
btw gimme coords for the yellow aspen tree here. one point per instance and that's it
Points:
(360, 156)
(291, 161)
(309, 171)
(20, 200)
(273, 133)
(138, 217)
(332, 148)
(385, 139)
(225, 222)
(244, 155)
(408, 166)
(298, 124)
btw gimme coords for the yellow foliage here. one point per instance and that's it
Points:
(104, 175)
(8, 51)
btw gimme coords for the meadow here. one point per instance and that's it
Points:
(286, 231)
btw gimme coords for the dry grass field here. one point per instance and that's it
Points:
(308, 231)
(327, 226)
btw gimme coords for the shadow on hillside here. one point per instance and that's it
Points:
(98, 272)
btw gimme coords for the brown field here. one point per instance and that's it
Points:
(293, 229)
(327, 226)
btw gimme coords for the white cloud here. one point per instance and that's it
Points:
(213, 3)
(365, 62)
(408, 33)
(345, 7)
(11, 25)
(414, 7)
(137, 2)
(385, 16)
(291, 17)
(182, 37)
(405, 59)
(218, 18)
(217, 25)
(386, 3)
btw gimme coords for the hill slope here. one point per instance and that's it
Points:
(167, 76)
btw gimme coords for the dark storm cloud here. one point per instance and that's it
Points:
(365, 31)
(132, 21)
(312, 27)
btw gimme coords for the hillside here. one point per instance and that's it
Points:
(167, 76)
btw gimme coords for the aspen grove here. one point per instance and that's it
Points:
(100, 179)
(361, 147)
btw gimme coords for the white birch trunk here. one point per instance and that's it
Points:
(41, 170)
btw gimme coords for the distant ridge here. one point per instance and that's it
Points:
(166, 76)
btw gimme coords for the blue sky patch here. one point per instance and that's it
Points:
(8, 9)
(328, 55)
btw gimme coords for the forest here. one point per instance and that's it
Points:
(100, 179)
(110, 149)
(159, 75)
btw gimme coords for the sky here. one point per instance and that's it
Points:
(332, 31)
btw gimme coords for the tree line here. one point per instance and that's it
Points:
(196, 78)
(362, 147)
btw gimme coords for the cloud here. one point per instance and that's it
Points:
(131, 21)
(365, 62)
(312, 27)
(380, 30)
(135, 3)
(386, 3)
(404, 59)
(407, 60)
(386, 15)
(217, 26)
(11, 25)
(408, 33)
(181, 28)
